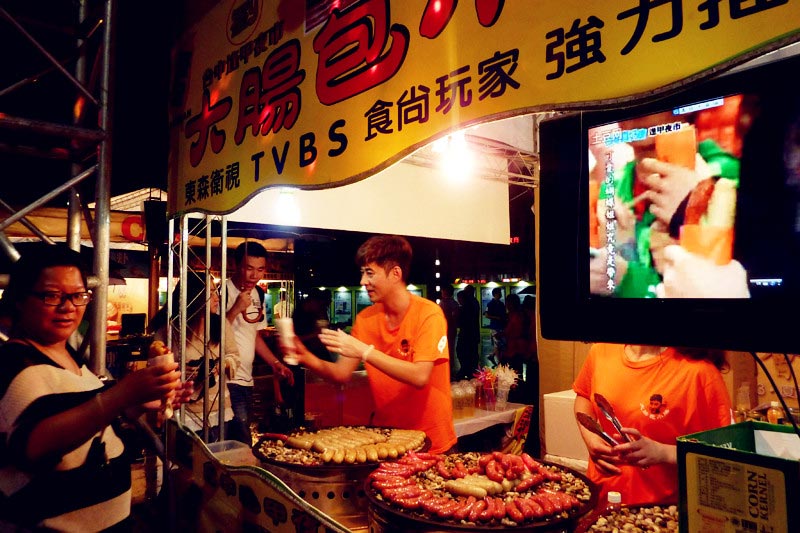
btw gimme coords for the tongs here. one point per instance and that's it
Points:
(594, 426)
(608, 412)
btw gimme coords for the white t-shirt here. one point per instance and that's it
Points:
(245, 333)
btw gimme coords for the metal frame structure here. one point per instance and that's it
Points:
(88, 149)
(188, 261)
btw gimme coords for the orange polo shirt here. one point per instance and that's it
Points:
(421, 336)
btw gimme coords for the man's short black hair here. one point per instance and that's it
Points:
(249, 249)
(386, 251)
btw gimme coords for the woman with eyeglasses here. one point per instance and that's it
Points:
(62, 466)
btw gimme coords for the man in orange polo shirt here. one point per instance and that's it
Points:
(402, 341)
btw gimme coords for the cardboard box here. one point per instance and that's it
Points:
(561, 435)
(730, 480)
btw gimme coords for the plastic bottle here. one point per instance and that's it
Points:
(775, 413)
(614, 501)
(742, 403)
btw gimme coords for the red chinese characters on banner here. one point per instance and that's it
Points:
(269, 98)
(358, 50)
(439, 12)
(204, 126)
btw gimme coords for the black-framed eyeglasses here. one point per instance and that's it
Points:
(54, 298)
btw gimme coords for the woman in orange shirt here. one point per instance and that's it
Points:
(658, 394)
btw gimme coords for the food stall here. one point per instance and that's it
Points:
(318, 108)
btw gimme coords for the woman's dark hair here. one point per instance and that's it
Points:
(36, 258)
(512, 302)
(195, 307)
(386, 251)
(715, 357)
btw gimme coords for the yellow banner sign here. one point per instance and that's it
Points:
(325, 93)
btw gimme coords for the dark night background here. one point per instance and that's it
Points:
(144, 32)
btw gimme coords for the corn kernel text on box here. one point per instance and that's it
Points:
(732, 481)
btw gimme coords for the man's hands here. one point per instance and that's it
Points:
(242, 302)
(340, 342)
(283, 371)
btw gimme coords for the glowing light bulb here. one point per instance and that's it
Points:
(287, 211)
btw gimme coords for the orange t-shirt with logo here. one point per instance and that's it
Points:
(421, 336)
(664, 397)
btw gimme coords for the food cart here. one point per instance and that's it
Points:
(317, 108)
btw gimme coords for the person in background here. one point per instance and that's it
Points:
(63, 466)
(528, 390)
(469, 332)
(693, 398)
(451, 308)
(246, 313)
(496, 313)
(281, 309)
(196, 346)
(515, 335)
(402, 342)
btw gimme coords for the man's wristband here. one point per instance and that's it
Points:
(366, 353)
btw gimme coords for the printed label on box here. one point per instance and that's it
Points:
(732, 497)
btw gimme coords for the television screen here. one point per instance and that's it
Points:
(676, 222)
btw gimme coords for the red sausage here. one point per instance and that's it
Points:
(379, 475)
(550, 475)
(505, 461)
(525, 508)
(517, 465)
(530, 462)
(538, 510)
(448, 508)
(476, 510)
(409, 503)
(410, 491)
(493, 471)
(488, 512)
(499, 508)
(441, 468)
(459, 470)
(568, 501)
(431, 503)
(465, 507)
(514, 512)
(558, 504)
(532, 481)
(544, 503)
(425, 456)
(391, 484)
(397, 468)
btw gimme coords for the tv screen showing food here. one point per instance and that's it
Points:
(664, 190)
(676, 221)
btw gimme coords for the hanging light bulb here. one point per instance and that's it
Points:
(457, 161)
